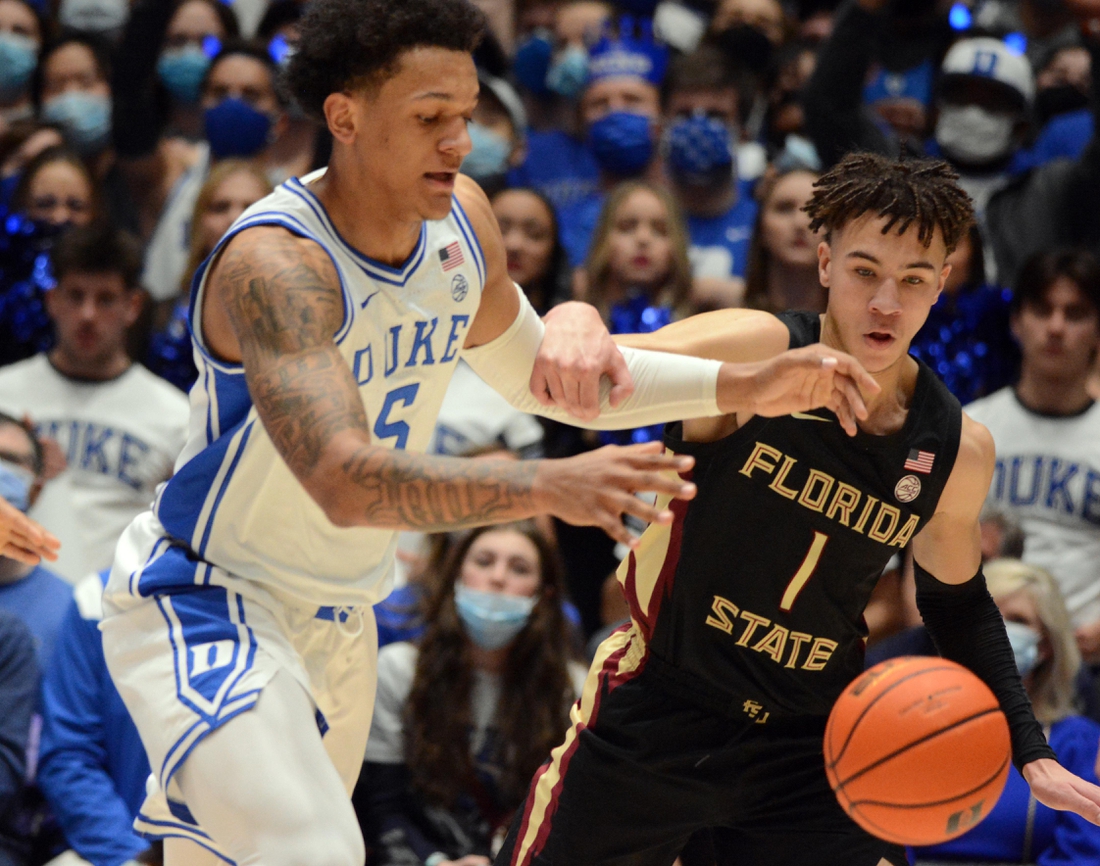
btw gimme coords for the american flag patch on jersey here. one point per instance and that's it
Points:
(451, 257)
(920, 461)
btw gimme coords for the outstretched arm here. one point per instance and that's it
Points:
(274, 303)
(507, 341)
(967, 627)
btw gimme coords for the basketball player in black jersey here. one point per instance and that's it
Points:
(708, 710)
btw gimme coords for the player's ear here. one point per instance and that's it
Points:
(944, 274)
(824, 259)
(340, 117)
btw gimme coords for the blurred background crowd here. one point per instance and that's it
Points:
(651, 158)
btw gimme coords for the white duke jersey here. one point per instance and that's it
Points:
(233, 502)
(1048, 477)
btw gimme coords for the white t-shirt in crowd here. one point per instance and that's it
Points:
(120, 438)
(1048, 477)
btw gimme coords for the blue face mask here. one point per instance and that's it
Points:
(492, 619)
(700, 151)
(85, 118)
(235, 128)
(182, 70)
(532, 63)
(1025, 646)
(18, 57)
(622, 143)
(489, 157)
(15, 484)
(568, 74)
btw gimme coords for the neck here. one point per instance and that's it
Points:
(794, 287)
(1052, 396)
(12, 571)
(887, 410)
(490, 661)
(97, 369)
(368, 217)
(707, 201)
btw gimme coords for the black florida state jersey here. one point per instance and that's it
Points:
(753, 598)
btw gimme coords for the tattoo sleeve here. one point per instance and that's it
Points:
(283, 299)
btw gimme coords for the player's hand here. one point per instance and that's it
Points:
(24, 540)
(597, 488)
(1055, 786)
(576, 352)
(469, 860)
(811, 378)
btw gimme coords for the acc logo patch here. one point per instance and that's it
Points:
(908, 488)
(459, 287)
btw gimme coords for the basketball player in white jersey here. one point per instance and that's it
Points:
(327, 323)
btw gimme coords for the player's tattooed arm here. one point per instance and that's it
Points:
(280, 305)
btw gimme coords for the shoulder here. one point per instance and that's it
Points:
(271, 247)
(475, 204)
(968, 484)
(21, 370)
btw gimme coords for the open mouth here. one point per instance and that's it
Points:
(879, 339)
(442, 180)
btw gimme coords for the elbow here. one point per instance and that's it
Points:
(335, 503)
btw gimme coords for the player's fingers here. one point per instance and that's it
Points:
(20, 554)
(852, 396)
(843, 411)
(540, 388)
(622, 383)
(850, 367)
(657, 482)
(555, 388)
(612, 524)
(648, 513)
(588, 397)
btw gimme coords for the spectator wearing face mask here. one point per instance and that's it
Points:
(551, 65)
(1063, 84)
(1018, 829)
(55, 191)
(701, 105)
(497, 134)
(21, 34)
(750, 33)
(464, 717)
(74, 91)
(621, 112)
(31, 592)
(243, 117)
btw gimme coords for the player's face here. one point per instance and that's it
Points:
(881, 287)
(527, 227)
(639, 246)
(503, 561)
(410, 133)
(91, 313)
(1059, 335)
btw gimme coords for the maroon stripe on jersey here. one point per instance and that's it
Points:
(667, 576)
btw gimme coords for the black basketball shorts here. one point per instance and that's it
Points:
(641, 770)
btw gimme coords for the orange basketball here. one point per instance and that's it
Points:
(917, 750)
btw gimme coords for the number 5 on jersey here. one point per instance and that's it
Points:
(804, 573)
(384, 428)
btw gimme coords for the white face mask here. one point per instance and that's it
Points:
(971, 135)
(94, 16)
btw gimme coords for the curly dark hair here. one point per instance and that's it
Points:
(536, 689)
(921, 191)
(357, 43)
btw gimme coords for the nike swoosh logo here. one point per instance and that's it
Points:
(363, 305)
(803, 416)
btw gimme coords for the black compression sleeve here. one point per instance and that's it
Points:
(967, 628)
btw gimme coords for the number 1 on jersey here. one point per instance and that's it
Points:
(804, 573)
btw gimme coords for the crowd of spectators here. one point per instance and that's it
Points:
(648, 156)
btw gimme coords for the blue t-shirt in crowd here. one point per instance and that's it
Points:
(720, 244)
(92, 766)
(40, 599)
(1064, 136)
(1058, 837)
(559, 166)
(577, 224)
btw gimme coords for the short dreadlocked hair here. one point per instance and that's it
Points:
(920, 191)
(347, 44)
